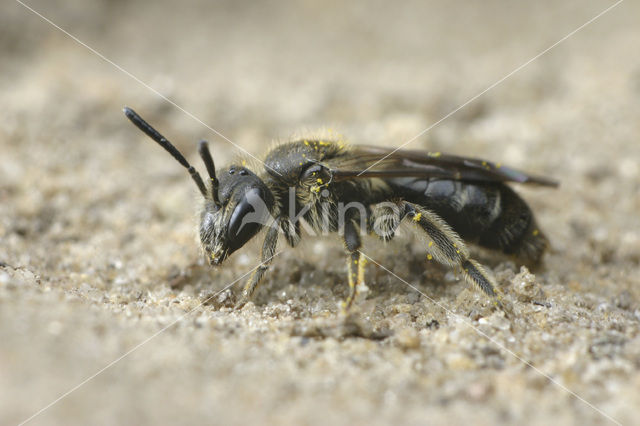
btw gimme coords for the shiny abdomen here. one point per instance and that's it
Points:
(489, 214)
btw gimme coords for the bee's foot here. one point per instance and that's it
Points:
(240, 303)
(504, 306)
(344, 308)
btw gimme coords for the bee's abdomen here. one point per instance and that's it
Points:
(489, 214)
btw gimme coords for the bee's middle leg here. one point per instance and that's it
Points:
(355, 260)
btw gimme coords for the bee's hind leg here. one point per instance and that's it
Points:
(447, 248)
(385, 219)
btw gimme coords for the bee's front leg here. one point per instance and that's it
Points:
(268, 253)
(355, 260)
(290, 230)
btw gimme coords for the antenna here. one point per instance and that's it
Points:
(203, 149)
(168, 146)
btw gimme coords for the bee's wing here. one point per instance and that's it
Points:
(364, 161)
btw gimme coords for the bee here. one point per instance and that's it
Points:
(353, 190)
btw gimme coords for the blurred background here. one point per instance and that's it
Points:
(97, 223)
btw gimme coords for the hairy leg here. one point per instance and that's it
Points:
(268, 252)
(355, 260)
(290, 230)
(446, 247)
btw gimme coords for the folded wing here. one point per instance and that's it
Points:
(364, 161)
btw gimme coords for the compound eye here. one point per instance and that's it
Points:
(248, 217)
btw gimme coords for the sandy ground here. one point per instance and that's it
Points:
(99, 262)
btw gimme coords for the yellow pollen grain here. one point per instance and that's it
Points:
(244, 162)
(417, 217)
(435, 154)
(430, 243)
(429, 257)
(319, 181)
(535, 232)
(498, 165)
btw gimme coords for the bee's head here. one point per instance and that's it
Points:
(238, 207)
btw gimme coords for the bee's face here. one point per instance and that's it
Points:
(245, 204)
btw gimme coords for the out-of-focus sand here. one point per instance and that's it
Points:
(97, 224)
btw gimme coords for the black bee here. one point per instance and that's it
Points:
(351, 189)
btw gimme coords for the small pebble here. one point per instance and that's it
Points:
(407, 338)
